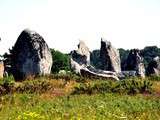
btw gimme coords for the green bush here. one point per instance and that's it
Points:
(33, 86)
(136, 86)
(153, 78)
(123, 87)
(6, 85)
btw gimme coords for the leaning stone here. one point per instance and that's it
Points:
(82, 54)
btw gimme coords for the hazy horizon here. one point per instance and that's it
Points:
(126, 23)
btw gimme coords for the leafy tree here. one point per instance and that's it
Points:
(60, 61)
(95, 58)
(123, 56)
(8, 62)
(149, 53)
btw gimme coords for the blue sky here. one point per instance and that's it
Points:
(62, 23)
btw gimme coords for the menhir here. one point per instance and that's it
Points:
(80, 64)
(109, 57)
(82, 54)
(154, 67)
(134, 62)
(31, 56)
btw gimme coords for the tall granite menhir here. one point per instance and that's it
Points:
(31, 56)
(109, 57)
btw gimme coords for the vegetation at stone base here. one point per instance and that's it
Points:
(51, 97)
(132, 86)
(60, 61)
(81, 85)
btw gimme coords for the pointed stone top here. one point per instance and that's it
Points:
(108, 43)
(28, 31)
(105, 43)
(81, 44)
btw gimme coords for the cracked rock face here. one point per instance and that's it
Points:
(135, 62)
(154, 67)
(80, 64)
(31, 56)
(82, 54)
(109, 56)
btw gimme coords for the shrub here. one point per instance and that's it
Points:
(33, 86)
(134, 86)
(153, 78)
(123, 87)
(6, 85)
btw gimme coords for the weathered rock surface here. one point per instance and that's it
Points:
(1, 69)
(31, 56)
(82, 55)
(130, 73)
(76, 67)
(154, 67)
(134, 62)
(80, 64)
(91, 72)
(109, 56)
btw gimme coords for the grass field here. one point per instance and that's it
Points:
(54, 100)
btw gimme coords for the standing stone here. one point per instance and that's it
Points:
(80, 64)
(135, 62)
(154, 67)
(82, 55)
(109, 56)
(31, 56)
(1, 69)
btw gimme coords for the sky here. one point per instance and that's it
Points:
(62, 23)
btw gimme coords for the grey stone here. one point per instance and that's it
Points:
(82, 54)
(130, 73)
(80, 64)
(31, 56)
(154, 67)
(109, 56)
(134, 62)
(103, 74)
